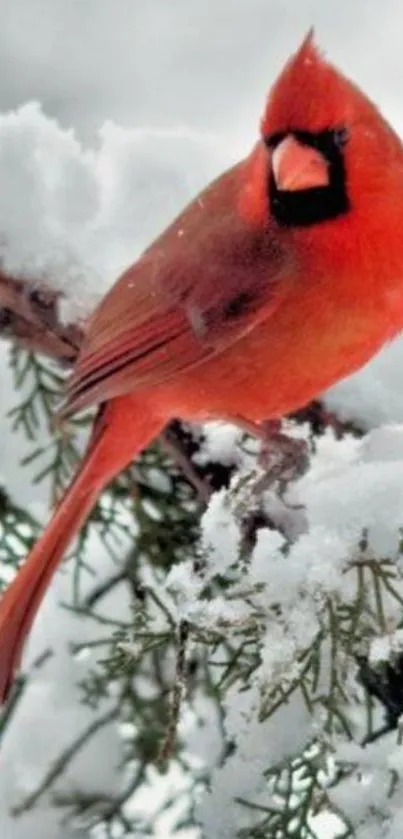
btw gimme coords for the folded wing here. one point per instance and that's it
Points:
(208, 279)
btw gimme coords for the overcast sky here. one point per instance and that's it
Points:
(202, 63)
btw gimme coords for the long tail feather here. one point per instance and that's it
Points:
(119, 434)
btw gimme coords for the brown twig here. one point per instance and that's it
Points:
(29, 315)
(168, 745)
(177, 451)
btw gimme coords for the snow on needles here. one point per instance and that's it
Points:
(284, 594)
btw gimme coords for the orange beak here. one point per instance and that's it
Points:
(296, 166)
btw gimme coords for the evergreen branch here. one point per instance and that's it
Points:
(63, 761)
(101, 807)
(18, 531)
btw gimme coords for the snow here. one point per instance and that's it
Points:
(220, 442)
(78, 228)
(352, 486)
(386, 648)
(374, 395)
(159, 103)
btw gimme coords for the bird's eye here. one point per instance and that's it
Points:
(340, 137)
(307, 183)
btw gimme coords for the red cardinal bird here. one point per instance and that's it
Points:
(283, 276)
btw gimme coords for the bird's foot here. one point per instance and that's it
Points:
(283, 458)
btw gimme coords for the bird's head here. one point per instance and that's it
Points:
(325, 151)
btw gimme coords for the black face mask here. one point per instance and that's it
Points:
(305, 207)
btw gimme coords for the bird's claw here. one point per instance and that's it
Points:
(283, 458)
